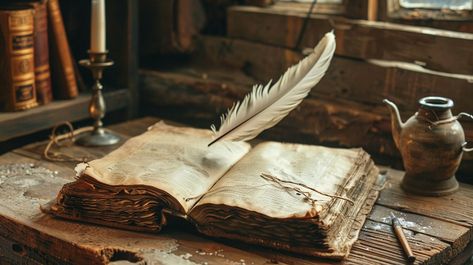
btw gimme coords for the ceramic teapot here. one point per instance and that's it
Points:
(431, 143)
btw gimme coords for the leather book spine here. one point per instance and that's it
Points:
(42, 73)
(62, 65)
(17, 85)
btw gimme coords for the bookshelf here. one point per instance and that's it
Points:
(21, 123)
(120, 82)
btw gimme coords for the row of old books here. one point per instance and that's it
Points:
(36, 64)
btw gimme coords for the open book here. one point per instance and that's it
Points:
(300, 198)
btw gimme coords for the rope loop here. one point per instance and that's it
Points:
(63, 140)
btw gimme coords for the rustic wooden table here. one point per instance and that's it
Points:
(438, 229)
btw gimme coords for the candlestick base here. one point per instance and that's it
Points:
(97, 62)
(99, 137)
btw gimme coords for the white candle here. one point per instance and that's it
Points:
(97, 29)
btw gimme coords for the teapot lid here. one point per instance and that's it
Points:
(436, 103)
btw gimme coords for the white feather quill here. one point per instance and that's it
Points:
(265, 106)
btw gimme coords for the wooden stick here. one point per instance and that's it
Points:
(402, 239)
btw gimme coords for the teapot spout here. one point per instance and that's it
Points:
(396, 122)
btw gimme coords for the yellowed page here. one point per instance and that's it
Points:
(312, 166)
(173, 159)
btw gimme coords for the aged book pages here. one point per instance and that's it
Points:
(309, 165)
(305, 199)
(289, 215)
(175, 160)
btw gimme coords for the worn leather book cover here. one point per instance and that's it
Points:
(44, 92)
(62, 65)
(305, 199)
(17, 85)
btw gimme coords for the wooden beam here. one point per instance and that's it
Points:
(319, 8)
(258, 2)
(260, 61)
(362, 9)
(440, 50)
(124, 50)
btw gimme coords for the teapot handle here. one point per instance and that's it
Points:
(464, 114)
(465, 149)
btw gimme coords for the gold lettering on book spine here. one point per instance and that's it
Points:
(17, 89)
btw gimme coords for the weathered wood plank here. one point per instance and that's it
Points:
(362, 9)
(123, 48)
(195, 89)
(442, 230)
(457, 236)
(454, 209)
(22, 123)
(134, 127)
(466, 257)
(378, 245)
(459, 25)
(258, 2)
(357, 80)
(23, 196)
(319, 8)
(357, 38)
(125, 130)
(260, 61)
(13, 253)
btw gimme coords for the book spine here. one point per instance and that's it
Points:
(62, 65)
(41, 47)
(17, 85)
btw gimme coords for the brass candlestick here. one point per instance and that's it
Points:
(97, 62)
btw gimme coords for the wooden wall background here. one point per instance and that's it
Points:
(374, 60)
